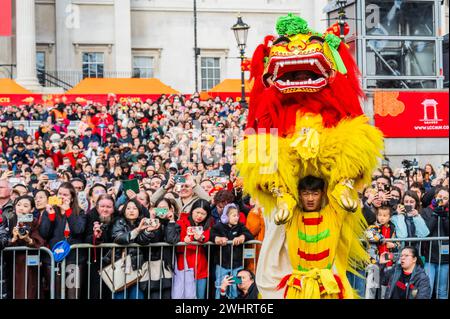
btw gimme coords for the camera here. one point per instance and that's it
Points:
(103, 227)
(410, 165)
(23, 229)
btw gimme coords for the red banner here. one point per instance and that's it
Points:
(50, 99)
(412, 114)
(5, 18)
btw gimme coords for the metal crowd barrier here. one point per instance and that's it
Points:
(84, 254)
(33, 265)
(79, 277)
(416, 242)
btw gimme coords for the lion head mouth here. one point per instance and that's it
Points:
(305, 73)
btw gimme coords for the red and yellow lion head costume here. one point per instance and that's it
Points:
(302, 70)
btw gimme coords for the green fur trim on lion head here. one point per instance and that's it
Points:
(332, 40)
(291, 24)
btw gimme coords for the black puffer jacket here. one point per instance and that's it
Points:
(222, 230)
(167, 233)
(437, 222)
(121, 235)
(4, 239)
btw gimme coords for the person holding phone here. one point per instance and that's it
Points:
(195, 257)
(24, 232)
(245, 282)
(100, 221)
(132, 228)
(66, 221)
(407, 219)
(168, 231)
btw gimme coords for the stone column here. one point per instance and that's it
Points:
(26, 45)
(122, 19)
(67, 19)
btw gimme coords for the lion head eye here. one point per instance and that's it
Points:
(316, 39)
(281, 41)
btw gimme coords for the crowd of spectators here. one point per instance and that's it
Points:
(178, 156)
(407, 204)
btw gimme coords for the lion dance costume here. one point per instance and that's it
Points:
(306, 86)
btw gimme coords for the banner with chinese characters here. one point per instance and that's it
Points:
(83, 99)
(412, 114)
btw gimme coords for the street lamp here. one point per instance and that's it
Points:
(342, 17)
(240, 30)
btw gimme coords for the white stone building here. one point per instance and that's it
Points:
(152, 38)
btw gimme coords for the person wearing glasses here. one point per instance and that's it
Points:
(407, 279)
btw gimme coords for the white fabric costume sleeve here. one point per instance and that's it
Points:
(273, 262)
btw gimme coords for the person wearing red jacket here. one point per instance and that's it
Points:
(55, 155)
(74, 155)
(195, 227)
(101, 121)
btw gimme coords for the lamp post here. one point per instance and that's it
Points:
(342, 17)
(196, 49)
(240, 30)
